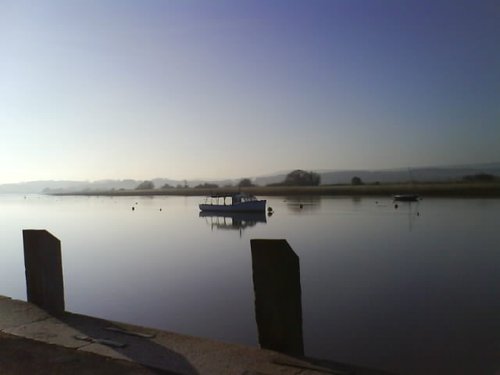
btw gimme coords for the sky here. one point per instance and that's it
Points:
(182, 89)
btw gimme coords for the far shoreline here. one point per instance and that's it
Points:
(446, 189)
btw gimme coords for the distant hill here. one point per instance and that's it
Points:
(41, 186)
(423, 174)
(38, 186)
(49, 186)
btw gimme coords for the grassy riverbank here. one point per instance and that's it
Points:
(452, 189)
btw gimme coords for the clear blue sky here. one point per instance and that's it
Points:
(212, 89)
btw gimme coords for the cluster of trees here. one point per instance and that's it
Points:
(206, 185)
(149, 185)
(297, 177)
(300, 178)
(356, 181)
(246, 182)
(145, 185)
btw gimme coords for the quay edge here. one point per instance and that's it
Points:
(152, 350)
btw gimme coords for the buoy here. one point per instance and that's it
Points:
(133, 208)
(301, 205)
(396, 206)
(160, 209)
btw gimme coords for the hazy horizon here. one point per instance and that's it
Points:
(441, 170)
(225, 89)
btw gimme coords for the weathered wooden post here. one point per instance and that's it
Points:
(278, 305)
(44, 277)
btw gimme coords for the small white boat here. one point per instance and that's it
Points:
(239, 202)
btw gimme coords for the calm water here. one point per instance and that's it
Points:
(413, 289)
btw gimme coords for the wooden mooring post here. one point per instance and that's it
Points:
(278, 304)
(44, 276)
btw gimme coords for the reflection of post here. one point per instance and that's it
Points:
(44, 278)
(278, 307)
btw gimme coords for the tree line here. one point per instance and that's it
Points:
(297, 177)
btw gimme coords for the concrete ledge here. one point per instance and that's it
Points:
(14, 313)
(24, 356)
(164, 351)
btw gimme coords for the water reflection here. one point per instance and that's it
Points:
(412, 209)
(233, 220)
(356, 199)
(303, 204)
(374, 293)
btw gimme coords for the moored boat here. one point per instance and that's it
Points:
(409, 197)
(406, 197)
(239, 202)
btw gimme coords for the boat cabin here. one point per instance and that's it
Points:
(229, 199)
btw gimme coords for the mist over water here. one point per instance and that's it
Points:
(412, 289)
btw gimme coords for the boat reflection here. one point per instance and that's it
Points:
(233, 220)
(412, 209)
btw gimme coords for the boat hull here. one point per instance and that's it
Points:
(406, 198)
(253, 206)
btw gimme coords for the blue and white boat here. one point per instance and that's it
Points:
(238, 202)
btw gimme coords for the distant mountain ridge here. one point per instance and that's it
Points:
(52, 186)
(422, 174)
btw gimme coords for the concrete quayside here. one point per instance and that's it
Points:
(96, 344)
